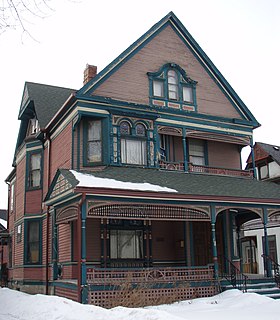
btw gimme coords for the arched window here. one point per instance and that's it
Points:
(133, 146)
(172, 80)
(171, 87)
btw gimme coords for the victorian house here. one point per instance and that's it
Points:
(136, 177)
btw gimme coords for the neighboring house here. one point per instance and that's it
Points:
(267, 167)
(135, 177)
(4, 236)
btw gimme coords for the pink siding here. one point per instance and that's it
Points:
(167, 237)
(130, 81)
(33, 201)
(225, 155)
(61, 150)
(20, 188)
(93, 239)
(64, 242)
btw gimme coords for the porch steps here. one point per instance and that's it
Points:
(266, 287)
(262, 286)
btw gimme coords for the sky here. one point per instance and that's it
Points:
(241, 37)
(230, 305)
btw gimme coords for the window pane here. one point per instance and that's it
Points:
(35, 161)
(33, 241)
(140, 130)
(124, 128)
(264, 172)
(94, 151)
(35, 170)
(196, 152)
(158, 88)
(126, 244)
(187, 94)
(133, 151)
(172, 85)
(94, 130)
(94, 144)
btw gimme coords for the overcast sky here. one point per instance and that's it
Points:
(241, 37)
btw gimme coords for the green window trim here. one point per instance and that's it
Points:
(33, 241)
(172, 85)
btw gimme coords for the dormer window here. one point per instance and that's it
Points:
(33, 126)
(171, 87)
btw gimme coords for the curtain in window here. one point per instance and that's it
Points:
(126, 244)
(133, 151)
(196, 152)
(94, 141)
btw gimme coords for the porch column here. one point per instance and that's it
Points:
(54, 246)
(83, 255)
(253, 157)
(266, 247)
(185, 150)
(239, 247)
(214, 243)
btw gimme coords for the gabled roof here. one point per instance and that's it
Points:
(265, 150)
(272, 150)
(44, 100)
(171, 19)
(178, 183)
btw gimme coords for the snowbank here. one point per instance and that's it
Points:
(229, 305)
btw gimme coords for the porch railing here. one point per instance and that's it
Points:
(275, 267)
(220, 171)
(109, 276)
(236, 278)
(179, 166)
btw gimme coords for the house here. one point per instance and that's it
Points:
(267, 166)
(4, 236)
(134, 178)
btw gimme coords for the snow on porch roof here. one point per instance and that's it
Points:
(90, 180)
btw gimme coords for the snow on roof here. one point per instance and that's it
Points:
(89, 180)
(4, 223)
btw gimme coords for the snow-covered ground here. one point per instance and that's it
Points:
(226, 306)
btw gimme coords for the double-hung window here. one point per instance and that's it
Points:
(197, 152)
(35, 170)
(133, 146)
(94, 141)
(171, 87)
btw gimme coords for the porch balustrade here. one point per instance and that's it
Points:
(142, 275)
(179, 166)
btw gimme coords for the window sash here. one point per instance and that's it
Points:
(33, 242)
(197, 152)
(187, 94)
(94, 141)
(35, 170)
(158, 88)
(126, 244)
(133, 151)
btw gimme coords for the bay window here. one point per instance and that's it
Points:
(94, 141)
(34, 170)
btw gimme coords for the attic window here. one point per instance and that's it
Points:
(171, 87)
(276, 148)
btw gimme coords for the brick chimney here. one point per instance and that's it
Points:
(89, 73)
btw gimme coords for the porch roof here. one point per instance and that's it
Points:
(184, 183)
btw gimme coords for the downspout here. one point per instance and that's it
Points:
(48, 216)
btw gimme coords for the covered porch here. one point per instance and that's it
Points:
(161, 243)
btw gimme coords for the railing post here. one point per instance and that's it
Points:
(214, 243)
(185, 151)
(266, 247)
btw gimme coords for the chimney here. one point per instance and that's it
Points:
(89, 73)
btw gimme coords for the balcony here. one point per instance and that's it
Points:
(193, 168)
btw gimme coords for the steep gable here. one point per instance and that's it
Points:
(168, 41)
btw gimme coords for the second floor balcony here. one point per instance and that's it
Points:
(203, 169)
